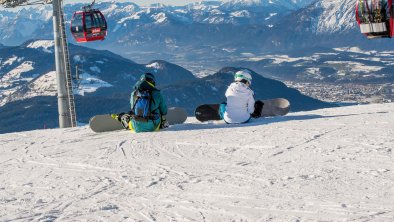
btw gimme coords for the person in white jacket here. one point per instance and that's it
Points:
(240, 106)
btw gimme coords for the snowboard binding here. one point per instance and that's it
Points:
(123, 118)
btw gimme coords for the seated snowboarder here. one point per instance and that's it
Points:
(147, 107)
(240, 106)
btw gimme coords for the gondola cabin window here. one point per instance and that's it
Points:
(78, 24)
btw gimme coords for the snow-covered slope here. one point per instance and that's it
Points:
(337, 16)
(325, 165)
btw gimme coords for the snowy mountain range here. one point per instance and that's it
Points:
(205, 28)
(323, 165)
(104, 83)
(126, 17)
(288, 4)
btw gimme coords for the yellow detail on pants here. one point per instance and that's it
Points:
(157, 128)
(131, 127)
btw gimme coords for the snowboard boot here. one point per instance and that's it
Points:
(123, 118)
(258, 108)
(222, 109)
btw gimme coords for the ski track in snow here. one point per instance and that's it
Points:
(323, 165)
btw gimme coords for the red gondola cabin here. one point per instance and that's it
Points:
(88, 25)
(375, 18)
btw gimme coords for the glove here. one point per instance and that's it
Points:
(164, 123)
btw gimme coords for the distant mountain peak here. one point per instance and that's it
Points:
(160, 18)
(158, 64)
(246, 2)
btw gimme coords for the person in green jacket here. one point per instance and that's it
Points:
(147, 106)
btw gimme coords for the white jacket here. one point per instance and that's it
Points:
(240, 103)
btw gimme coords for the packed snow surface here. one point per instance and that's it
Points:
(324, 165)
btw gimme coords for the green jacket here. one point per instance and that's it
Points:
(157, 106)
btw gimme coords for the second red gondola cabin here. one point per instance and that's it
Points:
(375, 18)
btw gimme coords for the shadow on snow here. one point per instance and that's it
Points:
(253, 122)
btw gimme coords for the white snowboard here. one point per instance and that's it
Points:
(105, 123)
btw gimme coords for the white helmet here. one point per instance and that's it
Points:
(243, 74)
